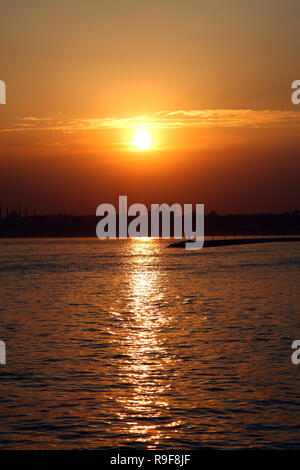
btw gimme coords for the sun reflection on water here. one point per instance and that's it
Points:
(148, 360)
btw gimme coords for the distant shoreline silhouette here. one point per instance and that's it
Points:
(14, 225)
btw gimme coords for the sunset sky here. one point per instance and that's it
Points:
(210, 82)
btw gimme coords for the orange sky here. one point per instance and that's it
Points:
(210, 81)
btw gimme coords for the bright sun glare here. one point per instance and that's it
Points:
(142, 139)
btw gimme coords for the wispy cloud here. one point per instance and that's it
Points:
(164, 120)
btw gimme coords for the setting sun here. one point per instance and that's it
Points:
(142, 139)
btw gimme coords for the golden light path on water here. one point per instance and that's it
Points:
(126, 343)
(147, 358)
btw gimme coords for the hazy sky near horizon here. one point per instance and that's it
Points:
(210, 81)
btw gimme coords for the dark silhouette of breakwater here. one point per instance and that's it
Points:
(237, 241)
